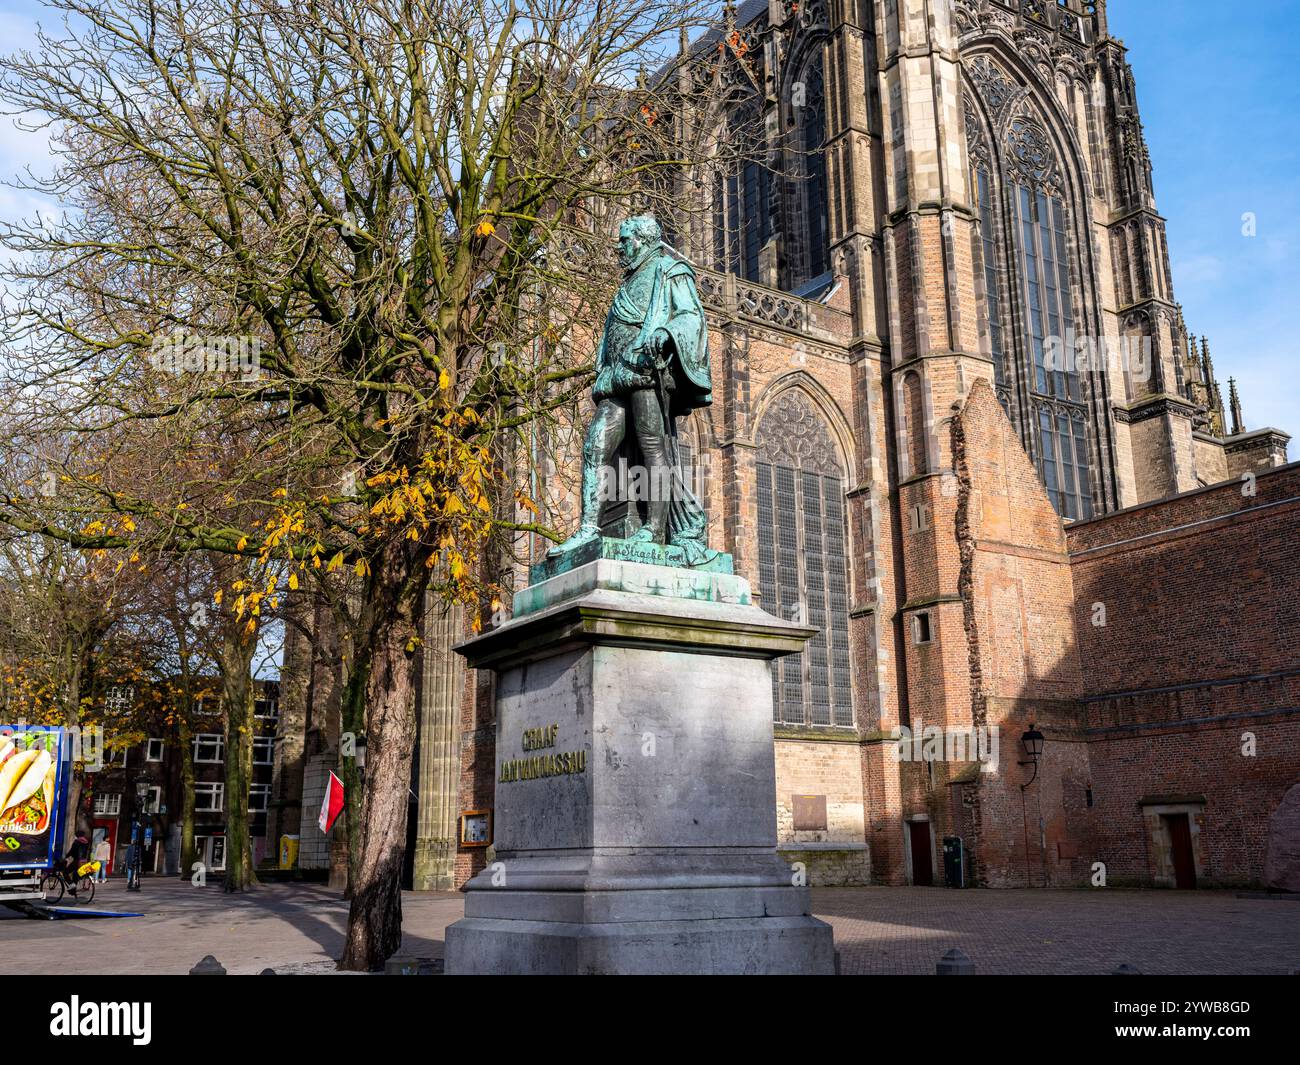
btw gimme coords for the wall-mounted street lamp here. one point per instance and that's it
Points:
(1032, 741)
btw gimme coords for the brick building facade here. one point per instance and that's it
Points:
(154, 767)
(960, 426)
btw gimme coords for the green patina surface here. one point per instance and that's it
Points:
(607, 547)
(633, 578)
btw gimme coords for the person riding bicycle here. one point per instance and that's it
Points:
(78, 855)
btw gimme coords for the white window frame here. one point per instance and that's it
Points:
(149, 749)
(153, 803)
(104, 808)
(118, 698)
(214, 789)
(203, 848)
(273, 711)
(262, 790)
(268, 744)
(210, 739)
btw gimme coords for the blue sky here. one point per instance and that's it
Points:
(1220, 98)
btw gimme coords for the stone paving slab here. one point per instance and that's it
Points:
(298, 928)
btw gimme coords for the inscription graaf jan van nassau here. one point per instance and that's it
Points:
(537, 766)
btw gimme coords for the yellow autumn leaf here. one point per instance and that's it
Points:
(243, 543)
(279, 493)
(293, 581)
(485, 229)
(335, 563)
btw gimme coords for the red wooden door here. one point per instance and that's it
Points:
(1180, 837)
(922, 862)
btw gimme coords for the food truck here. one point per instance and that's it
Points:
(35, 771)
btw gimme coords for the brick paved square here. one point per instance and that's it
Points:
(878, 931)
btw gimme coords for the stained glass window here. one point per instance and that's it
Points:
(803, 561)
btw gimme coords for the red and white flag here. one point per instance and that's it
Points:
(332, 804)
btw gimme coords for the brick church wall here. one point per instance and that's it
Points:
(1192, 672)
(1017, 591)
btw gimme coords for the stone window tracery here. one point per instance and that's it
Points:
(809, 254)
(803, 559)
(742, 208)
(1028, 276)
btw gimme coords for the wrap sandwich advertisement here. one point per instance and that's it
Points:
(33, 781)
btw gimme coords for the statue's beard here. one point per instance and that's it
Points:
(628, 259)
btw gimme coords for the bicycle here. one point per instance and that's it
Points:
(56, 883)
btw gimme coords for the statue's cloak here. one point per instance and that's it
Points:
(674, 306)
(684, 384)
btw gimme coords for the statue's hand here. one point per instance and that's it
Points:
(659, 344)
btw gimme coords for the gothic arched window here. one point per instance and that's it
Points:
(802, 560)
(742, 209)
(1028, 270)
(809, 254)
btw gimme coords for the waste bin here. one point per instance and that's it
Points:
(954, 862)
(288, 852)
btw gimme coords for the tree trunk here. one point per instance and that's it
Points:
(72, 719)
(187, 796)
(237, 695)
(74, 806)
(354, 724)
(375, 917)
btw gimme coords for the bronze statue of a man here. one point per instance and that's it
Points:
(652, 367)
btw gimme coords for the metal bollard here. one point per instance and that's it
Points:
(955, 963)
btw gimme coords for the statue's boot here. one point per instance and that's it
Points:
(655, 529)
(585, 535)
(589, 530)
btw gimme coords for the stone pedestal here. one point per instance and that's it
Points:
(635, 819)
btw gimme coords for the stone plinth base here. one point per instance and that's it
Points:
(635, 815)
(738, 946)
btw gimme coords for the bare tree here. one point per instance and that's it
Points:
(380, 229)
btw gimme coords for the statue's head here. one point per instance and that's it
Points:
(637, 234)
